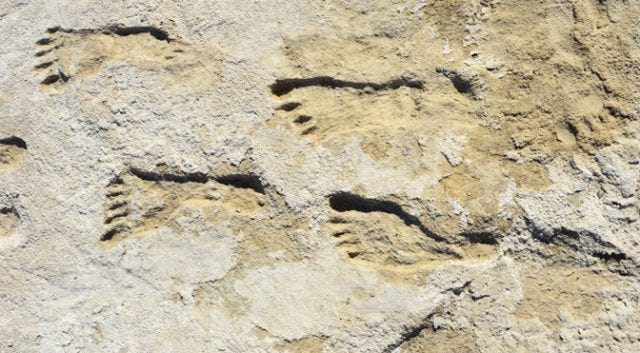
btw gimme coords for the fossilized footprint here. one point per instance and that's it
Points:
(10, 215)
(9, 221)
(381, 234)
(12, 151)
(323, 108)
(139, 201)
(65, 55)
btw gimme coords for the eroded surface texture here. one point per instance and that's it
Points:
(320, 176)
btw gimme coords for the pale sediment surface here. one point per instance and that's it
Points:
(320, 176)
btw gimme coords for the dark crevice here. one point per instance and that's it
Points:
(572, 129)
(302, 119)
(115, 193)
(610, 257)
(461, 85)
(464, 83)
(339, 234)
(44, 65)
(287, 107)
(44, 41)
(617, 112)
(43, 52)
(108, 235)
(343, 202)
(410, 333)
(284, 86)
(175, 178)
(458, 290)
(51, 79)
(570, 233)
(537, 233)
(9, 211)
(309, 130)
(64, 77)
(476, 298)
(156, 33)
(481, 238)
(243, 181)
(14, 141)
(116, 205)
(116, 181)
(110, 219)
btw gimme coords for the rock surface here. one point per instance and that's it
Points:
(320, 176)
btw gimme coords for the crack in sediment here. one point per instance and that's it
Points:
(585, 242)
(410, 333)
(286, 85)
